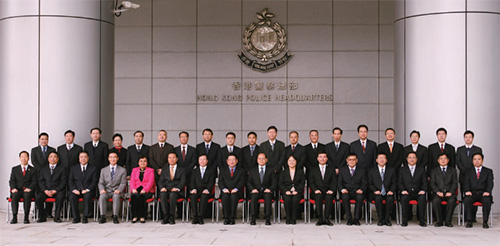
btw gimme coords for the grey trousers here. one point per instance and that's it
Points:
(103, 201)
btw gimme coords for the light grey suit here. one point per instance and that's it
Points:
(118, 182)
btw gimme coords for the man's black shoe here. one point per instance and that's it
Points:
(57, 220)
(320, 222)
(404, 224)
(448, 224)
(356, 222)
(485, 225)
(469, 224)
(14, 220)
(388, 223)
(380, 223)
(76, 221)
(438, 224)
(349, 223)
(231, 221)
(115, 219)
(41, 220)
(172, 222)
(268, 222)
(423, 224)
(102, 220)
(252, 222)
(200, 221)
(226, 222)
(85, 220)
(165, 220)
(26, 220)
(327, 222)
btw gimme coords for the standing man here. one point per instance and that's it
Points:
(298, 151)
(171, 185)
(352, 185)
(412, 183)
(22, 185)
(40, 153)
(69, 151)
(382, 185)
(231, 182)
(52, 180)
(134, 151)
(249, 153)
(478, 185)
(365, 149)
(97, 149)
(187, 155)
(420, 150)
(158, 153)
(229, 148)
(274, 149)
(312, 149)
(262, 182)
(323, 182)
(112, 184)
(438, 148)
(209, 148)
(337, 150)
(392, 150)
(465, 154)
(82, 184)
(443, 183)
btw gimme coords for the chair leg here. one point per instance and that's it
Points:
(8, 210)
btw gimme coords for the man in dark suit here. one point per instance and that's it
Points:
(393, 150)
(187, 155)
(201, 189)
(69, 152)
(477, 187)
(412, 184)
(209, 148)
(22, 185)
(312, 149)
(352, 185)
(382, 185)
(420, 150)
(40, 153)
(136, 150)
(365, 149)
(52, 181)
(262, 183)
(436, 149)
(443, 183)
(97, 149)
(249, 153)
(82, 184)
(229, 148)
(323, 183)
(337, 150)
(231, 184)
(298, 151)
(274, 150)
(464, 155)
(159, 152)
(171, 185)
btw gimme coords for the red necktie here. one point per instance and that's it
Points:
(293, 147)
(364, 148)
(24, 172)
(232, 171)
(478, 173)
(183, 153)
(442, 148)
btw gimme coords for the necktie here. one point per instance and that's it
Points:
(252, 148)
(382, 192)
(272, 147)
(352, 172)
(207, 148)
(112, 173)
(336, 147)
(322, 172)
(478, 173)
(232, 171)
(24, 171)
(138, 148)
(83, 170)
(364, 148)
(183, 153)
(390, 147)
(51, 170)
(44, 150)
(468, 151)
(95, 145)
(230, 149)
(261, 174)
(293, 148)
(69, 147)
(161, 147)
(412, 170)
(442, 148)
(202, 172)
(444, 172)
(171, 173)
(314, 147)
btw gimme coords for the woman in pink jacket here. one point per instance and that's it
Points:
(142, 188)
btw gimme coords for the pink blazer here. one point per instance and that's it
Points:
(148, 181)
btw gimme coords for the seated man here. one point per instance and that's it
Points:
(82, 183)
(262, 182)
(323, 183)
(52, 182)
(231, 182)
(202, 184)
(22, 185)
(478, 184)
(412, 183)
(382, 185)
(112, 183)
(171, 184)
(352, 185)
(443, 183)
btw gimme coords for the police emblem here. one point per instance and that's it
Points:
(265, 40)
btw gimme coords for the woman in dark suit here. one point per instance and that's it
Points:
(119, 150)
(142, 188)
(291, 184)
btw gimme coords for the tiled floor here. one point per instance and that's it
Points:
(242, 234)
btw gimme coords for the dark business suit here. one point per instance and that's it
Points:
(189, 162)
(324, 184)
(122, 156)
(133, 156)
(213, 153)
(299, 152)
(312, 155)
(47, 181)
(352, 184)
(80, 181)
(275, 156)
(249, 159)
(269, 181)
(230, 200)
(286, 183)
(366, 159)
(446, 183)
(394, 158)
(224, 152)
(69, 158)
(38, 159)
(375, 183)
(435, 151)
(158, 157)
(169, 197)
(413, 185)
(464, 160)
(199, 201)
(478, 187)
(422, 155)
(337, 158)
(20, 182)
(98, 156)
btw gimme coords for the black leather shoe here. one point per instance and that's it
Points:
(448, 224)
(320, 222)
(356, 222)
(200, 221)
(485, 225)
(134, 220)
(115, 219)
(469, 224)
(50, 216)
(268, 222)
(57, 220)
(293, 222)
(388, 223)
(172, 222)
(349, 222)
(165, 220)
(102, 220)
(231, 221)
(287, 222)
(438, 224)
(195, 221)
(422, 224)
(252, 222)
(14, 220)
(26, 220)
(327, 222)
(76, 221)
(380, 223)
(226, 222)
(404, 224)
(85, 220)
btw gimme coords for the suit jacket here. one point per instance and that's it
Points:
(18, 181)
(157, 157)
(299, 153)
(316, 182)
(69, 158)
(98, 157)
(78, 181)
(375, 180)
(483, 184)
(133, 156)
(394, 158)
(337, 158)
(56, 181)
(179, 180)
(276, 157)
(37, 158)
(190, 162)
(148, 180)
(247, 159)
(213, 153)
(200, 184)
(312, 155)
(412, 184)
(238, 180)
(448, 183)
(286, 183)
(422, 155)
(224, 152)
(357, 181)
(119, 181)
(269, 181)
(463, 161)
(435, 150)
(122, 156)
(366, 160)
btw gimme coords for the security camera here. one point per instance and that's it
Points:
(124, 6)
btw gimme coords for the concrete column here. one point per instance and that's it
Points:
(447, 61)
(56, 73)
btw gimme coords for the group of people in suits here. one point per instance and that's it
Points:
(354, 173)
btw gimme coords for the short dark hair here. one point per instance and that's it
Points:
(390, 129)
(444, 155)
(84, 152)
(43, 134)
(292, 155)
(69, 131)
(184, 132)
(162, 130)
(415, 131)
(469, 132)
(54, 152)
(141, 156)
(381, 153)
(481, 154)
(207, 130)
(337, 128)
(24, 151)
(361, 126)
(441, 129)
(96, 128)
(293, 132)
(412, 153)
(203, 154)
(313, 130)
(142, 133)
(173, 153)
(272, 127)
(352, 154)
(114, 153)
(231, 133)
(251, 133)
(231, 154)
(117, 135)
(322, 152)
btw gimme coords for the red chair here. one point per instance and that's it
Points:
(302, 201)
(210, 200)
(9, 200)
(413, 202)
(262, 201)
(478, 204)
(383, 202)
(81, 200)
(313, 202)
(352, 201)
(444, 203)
